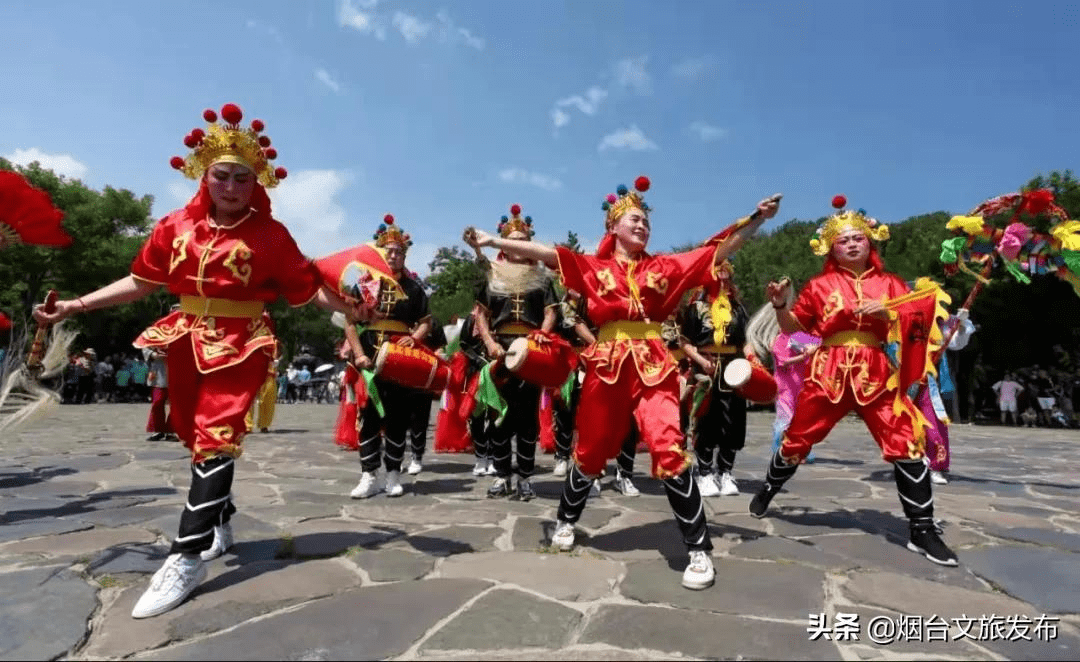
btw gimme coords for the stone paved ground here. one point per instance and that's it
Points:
(87, 508)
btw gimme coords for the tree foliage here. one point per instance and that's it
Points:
(455, 275)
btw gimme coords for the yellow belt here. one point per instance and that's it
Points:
(211, 307)
(626, 330)
(514, 329)
(387, 325)
(852, 338)
(719, 349)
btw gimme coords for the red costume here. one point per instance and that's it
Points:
(851, 370)
(223, 277)
(630, 371)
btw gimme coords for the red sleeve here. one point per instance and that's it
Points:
(152, 262)
(297, 277)
(572, 268)
(807, 307)
(692, 268)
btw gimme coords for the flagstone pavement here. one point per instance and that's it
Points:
(88, 506)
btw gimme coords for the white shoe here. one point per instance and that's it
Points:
(563, 538)
(490, 471)
(414, 467)
(626, 486)
(170, 585)
(367, 487)
(728, 486)
(223, 540)
(480, 468)
(938, 478)
(594, 491)
(707, 486)
(393, 484)
(561, 466)
(699, 574)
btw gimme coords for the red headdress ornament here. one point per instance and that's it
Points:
(230, 143)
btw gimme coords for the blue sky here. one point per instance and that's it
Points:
(445, 114)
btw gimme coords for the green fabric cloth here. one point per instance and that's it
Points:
(567, 390)
(1072, 260)
(1017, 274)
(950, 249)
(487, 395)
(701, 389)
(372, 392)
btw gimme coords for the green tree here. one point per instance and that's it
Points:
(452, 284)
(571, 242)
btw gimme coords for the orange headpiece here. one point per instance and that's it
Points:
(515, 223)
(389, 233)
(623, 200)
(842, 221)
(229, 143)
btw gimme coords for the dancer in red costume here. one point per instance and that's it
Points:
(630, 373)
(345, 434)
(845, 305)
(226, 257)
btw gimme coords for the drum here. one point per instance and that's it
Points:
(751, 381)
(543, 364)
(416, 367)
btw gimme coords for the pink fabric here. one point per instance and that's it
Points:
(937, 435)
(789, 378)
(1014, 238)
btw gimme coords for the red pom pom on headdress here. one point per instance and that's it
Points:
(388, 219)
(176, 162)
(209, 115)
(231, 113)
(839, 202)
(515, 209)
(198, 134)
(271, 153)
(257, 125)
(281, 173)
(264, 141)
(190, 141)
(642, 183)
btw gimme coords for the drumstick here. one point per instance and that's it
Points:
(37, 348)
(773, 198)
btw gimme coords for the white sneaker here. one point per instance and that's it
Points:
(490, 471)
(393, 484)
(170, 585)
(626, 486)
(367, 487)
(938, 478)
(728, 486)
(480, 468)
(563, 538)
(561, 466)
(707, 486)
(415, 467)
(223, 540)
(594, 491)
(699, 574)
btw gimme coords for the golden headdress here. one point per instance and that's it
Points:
(515, 223)
(391, 233)
(842, 221)
(623, 200)
(230, 143)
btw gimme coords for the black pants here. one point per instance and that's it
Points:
(398, 403)
(563, 414)
(522, 423)
(418, 426)
(209, 504)
(720, 432)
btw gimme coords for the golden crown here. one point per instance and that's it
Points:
(623, 200)
(230, 143)
(842, 221)
(391, 233)
(515, 223)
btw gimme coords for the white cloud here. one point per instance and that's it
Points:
(707, 132)
(587, 103)
(324, 77)
(692, 67)
(268, 30)
(360, 17)
(539, 180)
(61, 164)
(410, 27)
(630, 72)
(306, 204)
(454, 34)
(631, 138)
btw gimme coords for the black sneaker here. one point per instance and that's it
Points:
(759, 505)
(524, 490)
(500, 487)
(157, 436)
(926, 541)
